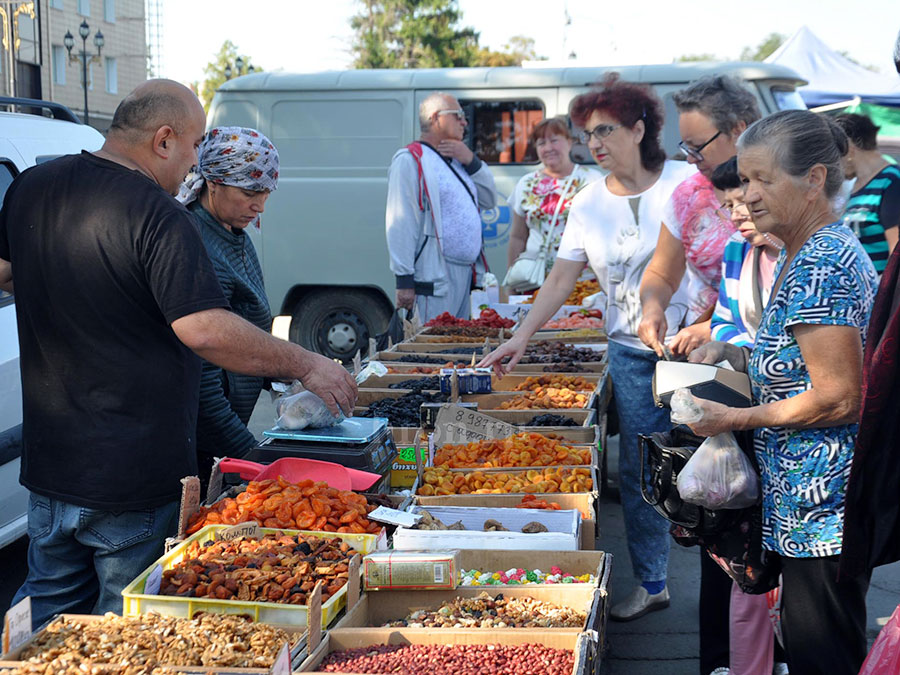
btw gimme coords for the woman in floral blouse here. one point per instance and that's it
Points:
(806, 370)
(537, 213)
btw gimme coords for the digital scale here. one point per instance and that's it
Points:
(363, 443)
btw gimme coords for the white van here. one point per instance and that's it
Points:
(322, 242)
(25, 140)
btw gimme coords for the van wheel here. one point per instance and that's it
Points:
(338, 323)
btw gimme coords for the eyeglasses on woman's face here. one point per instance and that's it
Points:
(696, 153)
(598, 133)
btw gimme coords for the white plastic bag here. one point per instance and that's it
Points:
(302, 410)
(684, 409)
(719, 476)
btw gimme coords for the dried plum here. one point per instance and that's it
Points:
(551, 420)
(404, 410)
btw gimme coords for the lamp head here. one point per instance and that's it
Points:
(228, 72)
(84, 30)
(99, 40)
(69, 41)
(239, 65)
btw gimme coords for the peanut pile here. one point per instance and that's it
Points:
(151, 640)
(522, 449)
(494, 612)
(490, 659)
(441, 481)
(276, 568)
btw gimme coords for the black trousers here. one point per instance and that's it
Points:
(823, 621)
(715, 604)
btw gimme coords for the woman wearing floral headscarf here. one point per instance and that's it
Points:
(237, 168)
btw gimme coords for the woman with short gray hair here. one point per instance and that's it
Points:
(806, 405)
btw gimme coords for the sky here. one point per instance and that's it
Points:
(313, 35)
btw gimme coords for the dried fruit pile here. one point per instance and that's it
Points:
(553, 352)
(532, 502)
(460, 334)
(440, 481)
(575, 320)
(416, 358)
(404, 410)
(536, 382)
(418, 384)
(452, 660)
(580, 292)
(276, 568)
(551, 420)
(522, 449)
(488, 319)
(291, 506)
(493, 612)
(547, 397)
(146, 641)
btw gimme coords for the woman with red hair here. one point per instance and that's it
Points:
(613, 226)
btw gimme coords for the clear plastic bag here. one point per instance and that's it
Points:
(684, 409)
(719, 476)
(302, 410)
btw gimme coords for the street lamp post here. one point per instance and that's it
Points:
(69, 41)
(238, 69)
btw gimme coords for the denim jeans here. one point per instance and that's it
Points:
(80, 559)
(647, 532)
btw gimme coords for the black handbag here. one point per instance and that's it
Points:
(732, 537)
(394, 332)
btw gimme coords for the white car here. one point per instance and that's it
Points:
(25, 140)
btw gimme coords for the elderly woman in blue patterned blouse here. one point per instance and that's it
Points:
(806, 372)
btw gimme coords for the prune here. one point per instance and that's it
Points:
(419, 384)
(551, 420)
(404, 410)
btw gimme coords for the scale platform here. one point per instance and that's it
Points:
(352, 430)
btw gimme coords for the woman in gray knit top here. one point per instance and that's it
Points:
(237, 170)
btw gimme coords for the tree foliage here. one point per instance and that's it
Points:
(425, 34)
(685, 58)
(215, 71)
(764, 49)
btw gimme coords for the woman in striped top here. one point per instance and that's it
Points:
(748, 266)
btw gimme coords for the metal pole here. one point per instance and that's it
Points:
(84, 81)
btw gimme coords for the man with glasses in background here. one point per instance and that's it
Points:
(437, 188)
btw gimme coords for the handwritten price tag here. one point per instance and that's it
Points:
(455, 424)
(249, 529)
(17, 626)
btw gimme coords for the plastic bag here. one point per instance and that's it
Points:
(884, 657)
(684, 409)
(302, 410)
(719, 476)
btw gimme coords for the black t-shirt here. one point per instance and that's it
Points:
(103, 261)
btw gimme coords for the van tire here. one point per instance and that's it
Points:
(338, 323)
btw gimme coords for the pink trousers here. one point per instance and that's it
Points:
(751, 636)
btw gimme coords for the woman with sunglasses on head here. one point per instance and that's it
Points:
(613, 226)
(713, 111)
(542, 199)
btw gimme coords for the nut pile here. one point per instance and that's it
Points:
(276, 568)
(429, 522)
(452, 660)
(537, 382)
(290, 506)
(516, 576)
(551, 420)
(441, 481)
(404, 410)
(147, 641)
(497, 612)
(547, 397)
(522, 449)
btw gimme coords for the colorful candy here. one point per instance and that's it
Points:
(522, 577)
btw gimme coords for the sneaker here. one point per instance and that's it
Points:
(639, 603)
(781, 669)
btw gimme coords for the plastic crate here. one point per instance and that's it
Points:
(135, 601)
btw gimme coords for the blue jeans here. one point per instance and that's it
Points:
(647, 532)
(80, 559)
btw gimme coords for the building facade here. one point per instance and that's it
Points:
(36, 63)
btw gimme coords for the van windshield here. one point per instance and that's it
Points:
(788, 99)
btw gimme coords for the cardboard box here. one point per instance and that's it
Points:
(411, 570)
(403, 470)
(350, 638)
(377, 608)
(564, 530)
(585, 502)
(13, 658)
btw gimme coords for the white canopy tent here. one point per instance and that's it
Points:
(833, 77)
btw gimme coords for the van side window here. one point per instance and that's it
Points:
(7, 173)
(498, 130)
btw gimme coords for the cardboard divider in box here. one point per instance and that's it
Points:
(136, 599)
(562, 533)
(13, 659)
(506, 384)
(585, 503)
(350, 638)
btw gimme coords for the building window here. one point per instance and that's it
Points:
(112, 76)
(109, 11)
(27, 34)
(84, 7)
(56, 4)
(59, 64)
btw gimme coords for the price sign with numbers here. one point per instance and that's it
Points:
(455, 424)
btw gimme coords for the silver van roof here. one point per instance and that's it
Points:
(476, 78)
